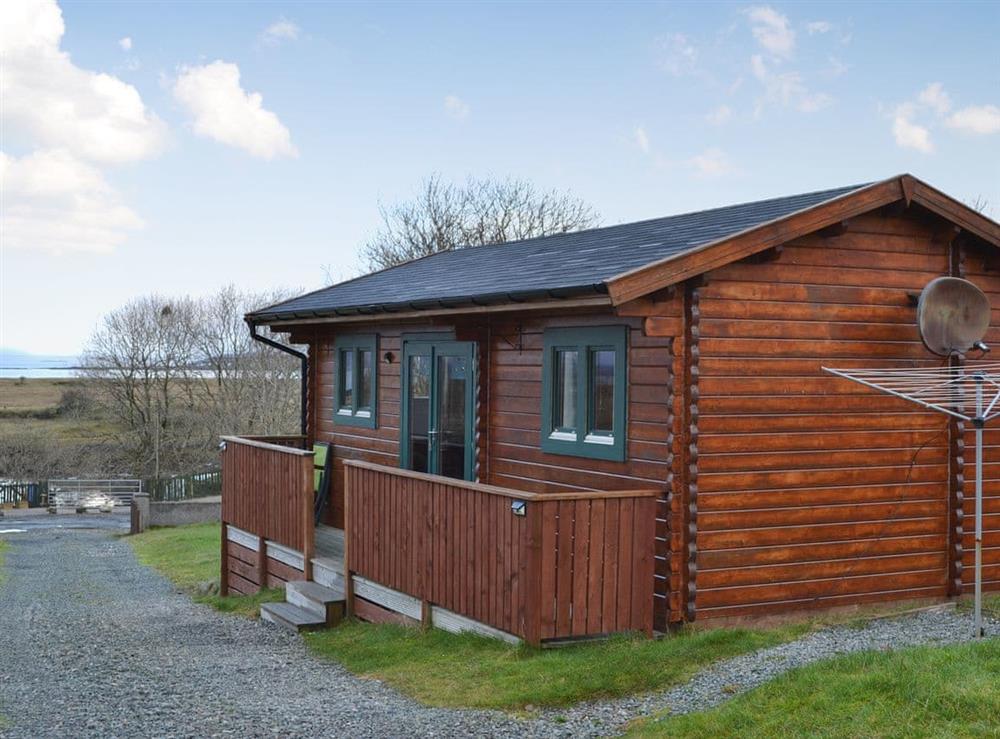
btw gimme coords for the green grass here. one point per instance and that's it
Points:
(949, 691)
(991, 605)
(189, 557)
(442, 669)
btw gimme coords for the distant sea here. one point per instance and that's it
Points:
(52, 373)
(15, 364)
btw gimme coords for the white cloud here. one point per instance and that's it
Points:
(678, 55)
(911, 134)
(814, 27)
(225, 112)
(720, 115)
(935, 98)
(641, 139)
(786, 88)
(279, 31)
(456, 107)
(712, 162)
(982, 119)
(908, 134)
(59, 105)
(772, 30)
(55, 203)
(125, 43)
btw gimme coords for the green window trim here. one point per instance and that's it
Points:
(585, 441)
(350, 409)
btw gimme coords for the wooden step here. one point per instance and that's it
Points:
(328, 572)
(291, 617)
(323, 602)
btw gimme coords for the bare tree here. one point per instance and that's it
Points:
(140, 361)
(175, 374)
(446, 216)
(981, 204)
(250, 387)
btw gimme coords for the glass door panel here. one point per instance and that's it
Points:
(438, 408)
(418, 392)
(450, 388)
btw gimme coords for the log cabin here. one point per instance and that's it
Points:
(625, 428)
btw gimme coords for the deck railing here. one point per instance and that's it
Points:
(267, 491)
(539, 566)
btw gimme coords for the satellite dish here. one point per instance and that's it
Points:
(952, 315)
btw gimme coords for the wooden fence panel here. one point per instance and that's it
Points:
(575, 564)
(266, 488)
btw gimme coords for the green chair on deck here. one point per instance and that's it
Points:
(322, 462)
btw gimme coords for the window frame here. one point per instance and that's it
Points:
(354, 415)
(584, 443)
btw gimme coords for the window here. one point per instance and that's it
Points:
(583, 392)
(356, 380)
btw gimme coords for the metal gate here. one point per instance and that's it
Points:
(96, 494)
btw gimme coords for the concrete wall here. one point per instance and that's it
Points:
(175, 513)
(183, 512)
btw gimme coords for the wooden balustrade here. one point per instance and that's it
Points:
(267, 490)
(574, 564)
(296, 441)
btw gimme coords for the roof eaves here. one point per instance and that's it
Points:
(378, 310)
(619, 296)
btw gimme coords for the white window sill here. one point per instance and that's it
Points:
(562, 436)
(599, 439)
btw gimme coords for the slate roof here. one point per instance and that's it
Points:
(560, 265)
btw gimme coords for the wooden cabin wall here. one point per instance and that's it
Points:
(379, 445)
(510, 401)
(515, 458)
(813, 491)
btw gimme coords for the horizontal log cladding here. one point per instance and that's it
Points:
(510, 375)
(814, 491)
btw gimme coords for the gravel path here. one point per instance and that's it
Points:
(93, 644)
(737, 675)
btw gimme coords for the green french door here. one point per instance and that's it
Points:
(439, 408)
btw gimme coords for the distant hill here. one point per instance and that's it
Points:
(16, 359)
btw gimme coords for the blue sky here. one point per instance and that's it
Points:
(149, 166)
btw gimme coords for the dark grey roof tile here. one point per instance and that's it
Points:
(578, 261)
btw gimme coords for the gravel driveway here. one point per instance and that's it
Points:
(94, 644)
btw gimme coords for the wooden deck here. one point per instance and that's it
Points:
(424, 549)
(329, 547)
(540, 567)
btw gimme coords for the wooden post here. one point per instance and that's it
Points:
(425, 614)
(261, 562)
(308, 517)
(533, 585)
(224, 570)
(348, 582)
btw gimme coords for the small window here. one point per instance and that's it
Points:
(583, 392)
(356, 380)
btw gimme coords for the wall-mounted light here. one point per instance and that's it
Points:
(518, 507)
(387, 357)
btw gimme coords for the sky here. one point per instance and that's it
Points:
(174, 148)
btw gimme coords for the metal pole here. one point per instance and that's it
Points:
(978, 421)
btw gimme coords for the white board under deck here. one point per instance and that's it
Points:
(447, 620)
(241, 537)
(285, 555)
